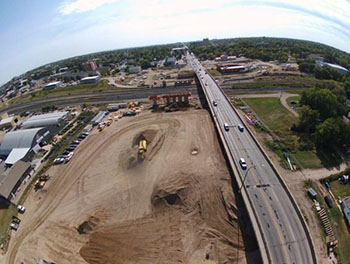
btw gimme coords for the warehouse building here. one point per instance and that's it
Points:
(231, 68)
(339, 68)
(8, 122)
(11, 178)
(90, 79)
(98, 118)
(53, 85)
(22, 144)
(52, 121)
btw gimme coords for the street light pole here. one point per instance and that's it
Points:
(246, 174)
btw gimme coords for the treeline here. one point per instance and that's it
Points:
(267, 49)
(321, 118)
(135, 56)
(278, 49)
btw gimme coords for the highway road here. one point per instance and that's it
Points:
(282, 229)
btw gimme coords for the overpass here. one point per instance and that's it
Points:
(280, 229)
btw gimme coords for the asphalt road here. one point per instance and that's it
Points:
(280, 225)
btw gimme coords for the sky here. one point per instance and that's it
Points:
(37, 32)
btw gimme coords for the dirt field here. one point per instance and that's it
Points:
(104, 207)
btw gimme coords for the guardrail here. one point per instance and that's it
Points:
(281, 180)
(247, 201)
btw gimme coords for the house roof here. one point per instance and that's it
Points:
(11, 176)
(6, 120)
(15, 155)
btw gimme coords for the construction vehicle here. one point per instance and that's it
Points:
(101, 127)
(41, 181)
(133, 104)
(109, 122)
(142, 149)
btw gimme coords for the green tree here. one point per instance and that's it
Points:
(307, 66)
(347, 86)
(308, 119)
(322, 100)
(331, 133)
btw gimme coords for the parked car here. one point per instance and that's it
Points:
(70, 148)
(14, 226)
(59, 160)
(326, 183)
(15, 219)
(328, 201)
(69, 156)
(21, 209)
(243, 163)
(82, 136)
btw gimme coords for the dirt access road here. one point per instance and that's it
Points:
(102, 207)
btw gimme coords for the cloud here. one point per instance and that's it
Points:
(79, 6)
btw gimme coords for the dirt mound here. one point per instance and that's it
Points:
(129, 158)
(171, 191)
(88, 226)
(147, 135)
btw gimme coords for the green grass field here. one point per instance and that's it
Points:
(308, 159)
(339, 189)
(279, 120)
(272, 113)
(6, 212)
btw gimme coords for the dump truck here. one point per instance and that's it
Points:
(142, 148)
(109, 122)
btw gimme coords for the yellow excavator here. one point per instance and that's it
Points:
(142, 148)
(40, 182)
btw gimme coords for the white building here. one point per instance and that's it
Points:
(339, 68)
(53, 85)
(46, 120)
(90, 79)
